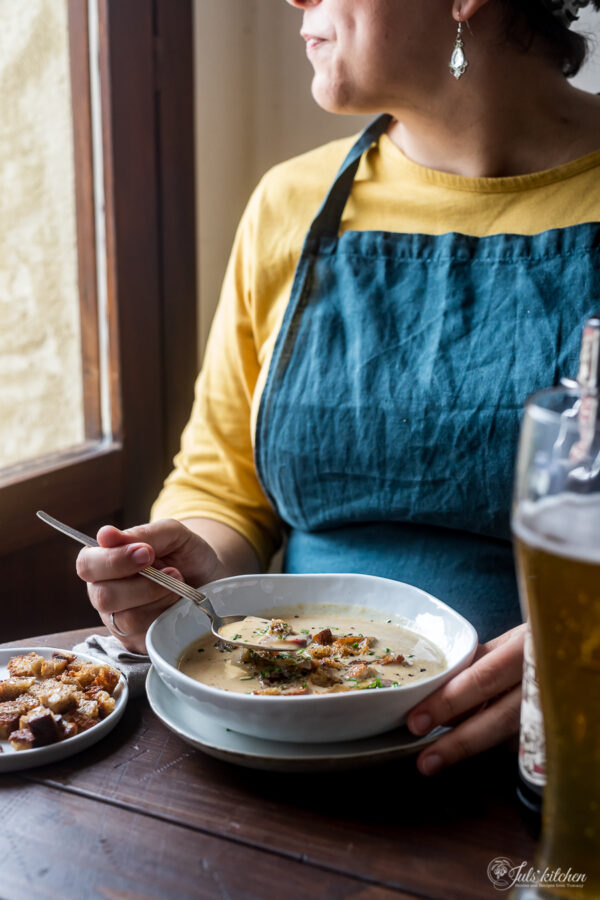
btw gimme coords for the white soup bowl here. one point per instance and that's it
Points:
(310, 718)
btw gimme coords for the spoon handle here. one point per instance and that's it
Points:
(172, 584)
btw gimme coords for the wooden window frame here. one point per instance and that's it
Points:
(146, 83)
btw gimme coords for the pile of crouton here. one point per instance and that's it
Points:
(47, 700)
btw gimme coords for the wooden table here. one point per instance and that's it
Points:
(142, 814)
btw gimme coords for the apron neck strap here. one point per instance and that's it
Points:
(327, 221)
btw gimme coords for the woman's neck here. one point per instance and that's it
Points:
(509, 115)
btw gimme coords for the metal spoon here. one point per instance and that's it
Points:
(183, 590)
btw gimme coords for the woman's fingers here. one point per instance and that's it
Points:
(166, 536)
(479, 732)
(491, 687)
(498, 668)
(135, 621)
(516, 633)
(110, 536)
(126, 593)
(101, 564)
(112, 569)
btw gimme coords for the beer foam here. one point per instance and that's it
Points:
(565, 525)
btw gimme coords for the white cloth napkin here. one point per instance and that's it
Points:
(107, 649)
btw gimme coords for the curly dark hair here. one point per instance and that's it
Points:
(529, 20)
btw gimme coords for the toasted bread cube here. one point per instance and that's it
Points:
(11, 711)
(68, 677)
(88, 708)
(83, 672)
(107, 679)
(34, 710)
(59, 699)
(50, 668)
(320, 651)
(22, 739)
(63, 654)
(43, 687)
(105, 702)
(79, 719)
(25, 666)
(43, 725)
(9, 721)
(12, 687)
(351, 645)
(67, 729)
(20, 704)
(323, 637)
(93, 691)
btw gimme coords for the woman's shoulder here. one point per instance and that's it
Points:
(305, 177)
(287, 199)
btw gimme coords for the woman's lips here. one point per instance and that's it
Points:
(313, 41)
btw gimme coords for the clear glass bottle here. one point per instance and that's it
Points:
(532, 745)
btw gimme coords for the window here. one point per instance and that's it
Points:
(118, 214)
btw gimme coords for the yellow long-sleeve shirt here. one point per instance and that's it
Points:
(214, 475)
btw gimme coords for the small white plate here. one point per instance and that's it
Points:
(183, 718)
(12, 760)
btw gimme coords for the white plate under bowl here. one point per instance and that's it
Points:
(181, 717)
(12, 760)
(310, 718)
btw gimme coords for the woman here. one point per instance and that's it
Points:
(362, 386)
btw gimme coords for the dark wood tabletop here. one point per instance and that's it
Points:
(142, 814)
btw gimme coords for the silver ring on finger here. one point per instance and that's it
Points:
(116, 628)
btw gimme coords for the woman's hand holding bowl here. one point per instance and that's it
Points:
(485, 699)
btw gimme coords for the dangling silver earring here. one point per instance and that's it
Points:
(458, 62)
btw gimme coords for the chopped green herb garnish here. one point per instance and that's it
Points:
(387, 649)
(371, 653)
(236, 637)
(304, 631)
(355, 644)
(395, 684)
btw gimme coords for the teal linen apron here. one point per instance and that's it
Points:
(388, 425)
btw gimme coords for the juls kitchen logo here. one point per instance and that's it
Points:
(504, 875)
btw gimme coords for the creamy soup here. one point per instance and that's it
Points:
(324, 649)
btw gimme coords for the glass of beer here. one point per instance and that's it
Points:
(556, 528)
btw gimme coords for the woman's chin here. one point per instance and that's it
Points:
(340, 98)
(332, 100)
